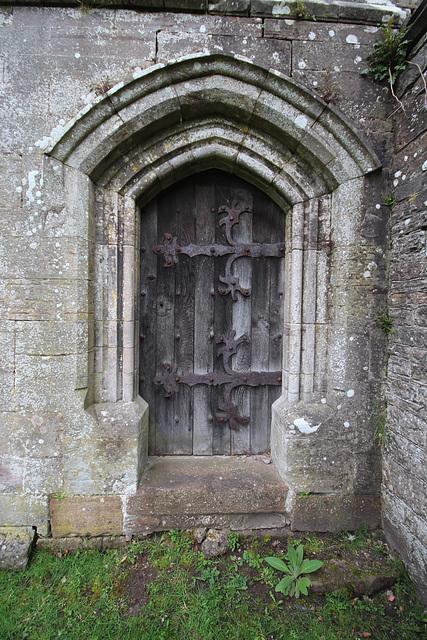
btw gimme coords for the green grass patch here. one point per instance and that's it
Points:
(163, 588)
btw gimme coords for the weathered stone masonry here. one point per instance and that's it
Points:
(105, 108)
(405, 479)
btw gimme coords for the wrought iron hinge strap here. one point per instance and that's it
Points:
(171, 379)
(171, 250)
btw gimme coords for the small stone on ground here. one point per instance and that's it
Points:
(15, 546)
(199, 534)
(215, 543)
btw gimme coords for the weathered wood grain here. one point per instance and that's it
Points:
(221, 436)
(148, 324)
(204, 332)
(260, 321)
(165, 320)
(242, 233)
(183, 314)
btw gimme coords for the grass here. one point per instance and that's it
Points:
(163, 588)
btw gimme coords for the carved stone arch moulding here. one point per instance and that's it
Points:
(170, 121)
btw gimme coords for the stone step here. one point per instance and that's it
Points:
(182, 492)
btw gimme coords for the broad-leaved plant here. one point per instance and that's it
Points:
(294, 583)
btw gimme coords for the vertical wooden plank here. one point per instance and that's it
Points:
(221, 439)
(165, 316)
(204, 333)
(148, 326)
(184, 318)
(260, 342)
(242, 268)
(277, 295)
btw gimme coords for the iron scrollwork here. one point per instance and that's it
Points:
(171, 250)
(230, 379)
(228, 411)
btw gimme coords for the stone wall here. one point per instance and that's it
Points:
(405, 471)
(72, 81)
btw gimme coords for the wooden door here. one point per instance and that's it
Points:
(212, 273)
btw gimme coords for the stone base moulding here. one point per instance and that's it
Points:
(78, 543)
(83, 516)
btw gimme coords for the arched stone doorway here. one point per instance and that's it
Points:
(214, 111)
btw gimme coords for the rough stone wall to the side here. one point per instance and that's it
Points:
(53, 62)
(405, 468)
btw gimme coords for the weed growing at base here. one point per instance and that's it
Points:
(89, 595)
(233, 540)
(294, 583)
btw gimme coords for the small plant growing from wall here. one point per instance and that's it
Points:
(85, 5)
(385, 322)
(379, 418)
(299, 12)
(390, 200)
(388, 58)
(103, 86)
(328, 90)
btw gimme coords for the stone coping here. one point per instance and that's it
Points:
(375, 12)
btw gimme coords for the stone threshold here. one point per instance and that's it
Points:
(183, 492)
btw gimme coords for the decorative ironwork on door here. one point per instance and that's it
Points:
(170, 380)
(211, 316)
(171, 250)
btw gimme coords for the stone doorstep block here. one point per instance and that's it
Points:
(194, 485)
(332, 513)
(15, 546)
(244, 522)
(86, 516)
(152, 501)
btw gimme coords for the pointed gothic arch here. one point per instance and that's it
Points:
(214, 109)
(170, 121)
